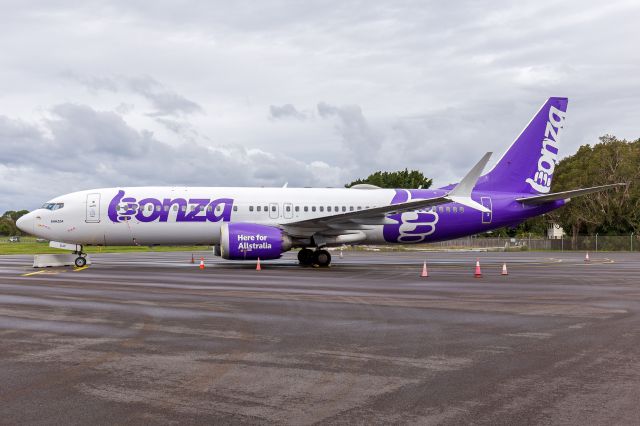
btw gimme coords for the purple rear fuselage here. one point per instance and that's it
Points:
(448, 221)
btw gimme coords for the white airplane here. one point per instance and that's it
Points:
(251, 223)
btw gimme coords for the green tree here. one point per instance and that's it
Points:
(400, 179)
(8, 222)
(611, 212)
(14, 215)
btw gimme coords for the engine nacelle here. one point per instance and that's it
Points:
(249, 241)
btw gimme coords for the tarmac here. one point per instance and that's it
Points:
(152, 339)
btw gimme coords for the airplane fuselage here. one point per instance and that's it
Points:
(194, 215)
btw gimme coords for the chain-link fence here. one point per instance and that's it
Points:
(580, 243)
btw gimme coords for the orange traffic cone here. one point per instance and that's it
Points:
(424, 273)
(202, 263)
(478, 273)
(258, 268)
(504, 269)
(192, 259)
(586, 258)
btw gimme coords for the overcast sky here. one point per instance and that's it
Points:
(314, 93)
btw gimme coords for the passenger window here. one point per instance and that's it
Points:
(344, 208)
(321, 208)
(448, 209)
(455, 209)
(441, 209)
(250, 208)
(184, 208)
(259, 208)
(175, 208)
(266, 209)
(209, 208)
(297, 208)
(235, 208)
(273, 208)
(306, 208)
(328, 208)
(350, 208)
(288, 208)
(313, 209)
(461, 209)
(359, 208)
(166, 208)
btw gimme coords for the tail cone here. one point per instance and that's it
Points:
(202, 263)
(504, 269)
(258, 268)
(478, 273)
(586, 258)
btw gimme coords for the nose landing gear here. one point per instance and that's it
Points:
(81, 260)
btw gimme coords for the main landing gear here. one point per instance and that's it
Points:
(309, 257)
(81, 260)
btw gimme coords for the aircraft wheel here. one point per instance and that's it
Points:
(322, 258)
(80, 261)
(305, 256)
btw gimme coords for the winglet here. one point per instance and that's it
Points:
(462, 192)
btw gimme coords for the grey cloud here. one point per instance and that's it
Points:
(124, 108)
(87, 131)
(286, 111)
(357, 135)
(436, 84)
(95, 83)
(88, 148)
(165, 102)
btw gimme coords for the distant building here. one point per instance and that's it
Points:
(555, 231)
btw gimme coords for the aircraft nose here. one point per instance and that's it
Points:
(25, 223)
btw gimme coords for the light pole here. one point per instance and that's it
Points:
(596, 242)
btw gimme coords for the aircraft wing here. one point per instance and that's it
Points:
(541, 199)
(359, 219)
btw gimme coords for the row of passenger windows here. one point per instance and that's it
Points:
(288, 208)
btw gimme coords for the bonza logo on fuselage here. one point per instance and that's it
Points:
(123, 208)
(541, 181)
(411, 226)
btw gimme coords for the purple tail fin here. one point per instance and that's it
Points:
(528, 164)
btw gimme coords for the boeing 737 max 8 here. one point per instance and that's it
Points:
(251, 223)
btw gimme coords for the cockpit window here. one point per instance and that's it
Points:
(53, 206)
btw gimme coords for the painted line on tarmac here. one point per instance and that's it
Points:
(33, 273)
(80, 269)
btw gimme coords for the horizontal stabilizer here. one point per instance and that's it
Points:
(541, 199)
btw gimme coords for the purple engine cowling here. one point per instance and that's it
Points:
(249, 241)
